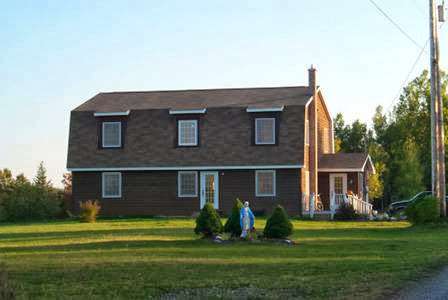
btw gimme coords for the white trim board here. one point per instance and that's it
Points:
(340, 170)
(180, 168)
(187, 111)
(265, 109)
(111, 114)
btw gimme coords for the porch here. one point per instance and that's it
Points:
(342, 178)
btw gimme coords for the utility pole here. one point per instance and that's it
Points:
(437, 132)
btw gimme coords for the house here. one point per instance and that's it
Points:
(169, 152)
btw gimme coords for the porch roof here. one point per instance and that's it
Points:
(345, 162)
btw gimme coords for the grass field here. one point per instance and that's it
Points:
(144, 258)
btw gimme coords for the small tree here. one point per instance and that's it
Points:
(232, 225)
(278, 225)
(41, 177)
(208, 223)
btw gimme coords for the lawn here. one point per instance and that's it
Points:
(144, 258)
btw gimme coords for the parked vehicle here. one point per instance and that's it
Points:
(398, 206)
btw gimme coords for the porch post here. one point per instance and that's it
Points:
(332, 204)
(312, 206)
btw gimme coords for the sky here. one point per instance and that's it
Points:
(57, 54)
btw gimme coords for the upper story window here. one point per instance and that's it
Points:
(111, 187)
(187, 132)
(265, 131)
(265, 184)
(111, 134)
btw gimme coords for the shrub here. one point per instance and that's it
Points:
(423, 210)
(232, 225)
(89, 211)
(346, 212)
(278, 225)
(30, 202)
(208, 223)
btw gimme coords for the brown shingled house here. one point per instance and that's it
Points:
(169, 152)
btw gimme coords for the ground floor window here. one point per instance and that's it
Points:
(111, 185)
(265, 183)
(187, 184)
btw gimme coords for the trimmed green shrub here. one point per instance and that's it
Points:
(232, 225)
(423, 211)
(30, 202)
(278, 226)
(89, 210)
(346, 212)
(208, 223)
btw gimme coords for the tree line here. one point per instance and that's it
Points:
(399, 142)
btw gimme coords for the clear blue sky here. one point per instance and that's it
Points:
(57, 54)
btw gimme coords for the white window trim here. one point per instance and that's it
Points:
(256, 130)
(274, 186)
(103, 185)
(119, 135)
(179, 184)
(195, 143)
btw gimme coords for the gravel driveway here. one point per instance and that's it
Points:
(432, 288)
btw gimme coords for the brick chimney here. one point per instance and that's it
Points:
(313, 128)
(312, 81)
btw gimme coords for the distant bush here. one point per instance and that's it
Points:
(232, 225)
(423, 211)
(30, 202)
(346, 212)
(89, 210)
(278, 224)
(208, 223)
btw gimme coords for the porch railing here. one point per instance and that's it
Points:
(361, 206)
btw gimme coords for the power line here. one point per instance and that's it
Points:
(419, 56)
(408, 36)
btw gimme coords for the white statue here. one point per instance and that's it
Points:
(246, 220)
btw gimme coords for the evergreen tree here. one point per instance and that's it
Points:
(233, 225)
(208, 223)
(41, 177)
(278, 225)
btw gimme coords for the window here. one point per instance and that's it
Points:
(265, 183)
(187, 132)
(187, 184)
(307, 132)
(112, 185)
(324, 140)
(265, 131)
(338, 185)
(111, 134)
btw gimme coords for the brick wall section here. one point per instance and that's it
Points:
(155, 193)
(324, 127)
(225, 139)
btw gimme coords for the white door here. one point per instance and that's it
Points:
(338, 186)
(210, 188)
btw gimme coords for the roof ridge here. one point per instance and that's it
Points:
(205, 89)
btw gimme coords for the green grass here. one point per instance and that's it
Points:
(140, 258)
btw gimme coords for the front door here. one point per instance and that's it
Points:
(210, 188)
(338, 186)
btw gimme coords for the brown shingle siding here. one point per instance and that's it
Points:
(225, 135)
(155, 193)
